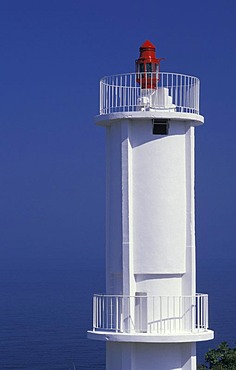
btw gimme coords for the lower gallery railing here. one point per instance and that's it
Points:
(150, 314)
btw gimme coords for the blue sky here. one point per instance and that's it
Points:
(52, 155)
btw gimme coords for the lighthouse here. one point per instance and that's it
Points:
(150, 316)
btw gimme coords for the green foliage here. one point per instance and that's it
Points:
(221, 358)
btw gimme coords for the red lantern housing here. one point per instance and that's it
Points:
(147, 66)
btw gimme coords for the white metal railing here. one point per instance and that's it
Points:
(149, 92)
(150, 314)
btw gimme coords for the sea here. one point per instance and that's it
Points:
(44, 315)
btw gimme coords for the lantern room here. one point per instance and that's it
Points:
(148, 66)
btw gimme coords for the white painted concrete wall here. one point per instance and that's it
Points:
(138, 356)
(159, 199)
(150, 209)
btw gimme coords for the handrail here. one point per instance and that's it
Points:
(134, 92)
(150, 314)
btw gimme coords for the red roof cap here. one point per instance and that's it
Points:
(147, 45)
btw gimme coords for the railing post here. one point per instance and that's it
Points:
(193, 314)
(117, 317)
(99, 312)
(94, 313)
(198, 313)
(101, 97)
(207, 313)
(161, 324)
(111, 313)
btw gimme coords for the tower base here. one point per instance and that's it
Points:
(143, 356)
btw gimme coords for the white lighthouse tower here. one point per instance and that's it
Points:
(151, 316)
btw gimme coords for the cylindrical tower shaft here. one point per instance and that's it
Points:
(150, 208)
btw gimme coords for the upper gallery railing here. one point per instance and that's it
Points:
(149, 92)
(150, 314)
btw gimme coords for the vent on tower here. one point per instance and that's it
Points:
(160, 127)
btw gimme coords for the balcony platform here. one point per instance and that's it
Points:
(172, 96)
(192, 118)
(150, 319)
(198, 336)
